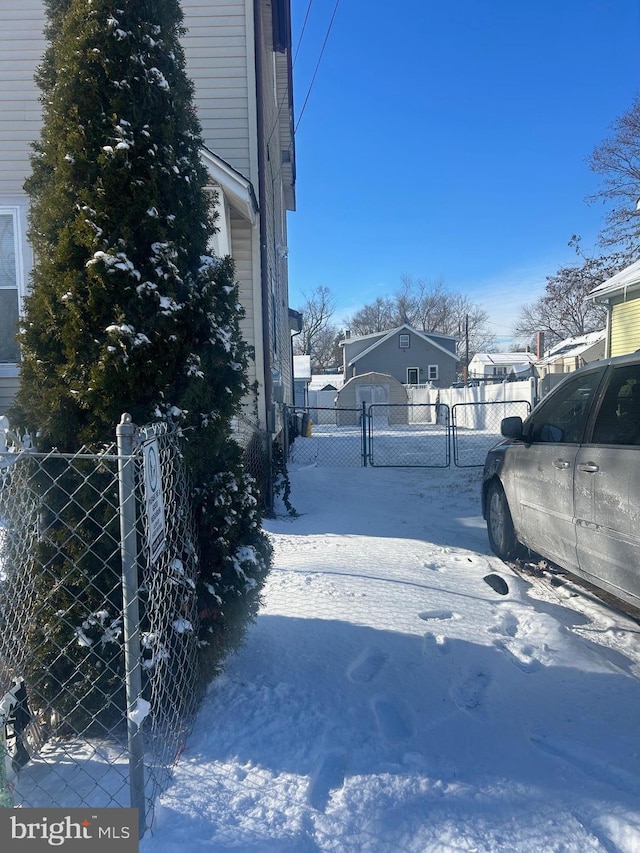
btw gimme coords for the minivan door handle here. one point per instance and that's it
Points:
(589, 467)
(562, 464)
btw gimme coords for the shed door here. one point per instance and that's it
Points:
(377, 397)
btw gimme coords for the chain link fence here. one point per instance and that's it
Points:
(476, 428)
(424, 435)
(256, 447)
(415, 435)
(98, 671)
(327, 436)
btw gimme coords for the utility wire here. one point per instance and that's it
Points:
(324, 44)
(284, 97)
(304, 26)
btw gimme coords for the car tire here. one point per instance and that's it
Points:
(500, 529)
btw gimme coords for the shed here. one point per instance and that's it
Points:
(381, 391)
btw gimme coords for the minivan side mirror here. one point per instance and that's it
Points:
(512, 428)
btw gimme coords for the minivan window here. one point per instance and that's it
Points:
(563, 417)
(618, 421)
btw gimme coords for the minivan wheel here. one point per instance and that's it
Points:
(502, 535)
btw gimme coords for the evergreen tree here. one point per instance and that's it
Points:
(128, 311)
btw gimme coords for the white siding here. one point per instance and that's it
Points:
(242, 248)
(219, 61)
(21, 47)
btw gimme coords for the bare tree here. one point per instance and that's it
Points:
(564, 311)
(378, 316)
(318, 331)
(617, 160)
(429, 307)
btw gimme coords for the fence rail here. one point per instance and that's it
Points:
(98, 666)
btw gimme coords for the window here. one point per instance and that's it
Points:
(432, 372)
(9, 283)
(412, 375)
(618, 421)
(404, 341)
(563, 417)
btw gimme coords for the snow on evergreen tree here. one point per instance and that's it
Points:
(128, 310)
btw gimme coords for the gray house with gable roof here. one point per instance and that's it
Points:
(412, 357)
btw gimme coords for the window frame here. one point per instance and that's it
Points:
(433, 372)
(14, 212)
(404, 341)
(539, 420)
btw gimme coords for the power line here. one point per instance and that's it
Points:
(304, 26)
(284, 97)
(324, 44)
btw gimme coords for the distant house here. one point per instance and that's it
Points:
(621, 295)
(572, 353)
(238, 55)
(497, 366)
(410, 356)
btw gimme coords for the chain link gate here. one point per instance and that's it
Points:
(380, 435)
(408, 435)
(98, 642)
(475, 428)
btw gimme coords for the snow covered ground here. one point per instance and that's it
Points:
(388, 699)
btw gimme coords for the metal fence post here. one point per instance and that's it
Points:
(364, 433)
(131, 617)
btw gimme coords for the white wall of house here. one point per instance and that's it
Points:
(21, 46)
(219, 47)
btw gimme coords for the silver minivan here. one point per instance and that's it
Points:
(566, 482)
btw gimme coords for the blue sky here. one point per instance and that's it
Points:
(449, 140)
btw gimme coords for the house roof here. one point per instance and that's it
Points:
(237, 189)
(381, 337)
(385, 334)
(320, 381)
(628, 278)
(504, 358)
(573, 347)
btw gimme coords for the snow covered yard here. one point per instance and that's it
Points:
(388, 699)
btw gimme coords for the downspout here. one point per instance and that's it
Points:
(264, 272)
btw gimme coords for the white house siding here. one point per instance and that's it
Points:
(242, 248)
(22, 44)
(21, 47)
(625, 327)
(219, 51)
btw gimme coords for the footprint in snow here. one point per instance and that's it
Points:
(434, 641)
(437, 615)
(468, 694)
(394, 719)
(328, 777)
(366, 666)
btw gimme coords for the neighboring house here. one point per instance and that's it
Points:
(567, 356)
(572, 353)
(410, 356)
(497, 366)
(621, 295)
(239, 58)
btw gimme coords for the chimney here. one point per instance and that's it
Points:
(539, 345)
